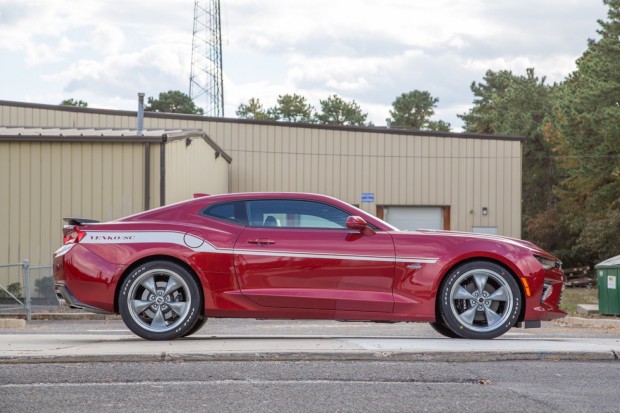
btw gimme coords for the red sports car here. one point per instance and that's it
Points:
(299, 256)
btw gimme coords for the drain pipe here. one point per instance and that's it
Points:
(147, 153)
(140, 125)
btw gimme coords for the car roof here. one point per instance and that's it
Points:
(268, 195)
(203, 199)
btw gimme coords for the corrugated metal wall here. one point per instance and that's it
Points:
(193, 169)
(463, 172)
(42, 182)
(401, 169)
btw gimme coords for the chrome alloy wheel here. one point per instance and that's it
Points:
(482, 300)
(159, 300)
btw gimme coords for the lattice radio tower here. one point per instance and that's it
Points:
(206, 77)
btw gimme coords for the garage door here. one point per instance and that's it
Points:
(412, 218)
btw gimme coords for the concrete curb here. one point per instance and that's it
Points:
(318, 356)
(12, 323)
(84, 316)
(63, 316)
(587, 309)
(590, 322)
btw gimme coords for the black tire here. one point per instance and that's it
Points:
(160, 300)
(444, 330)
(479, 300)
(199, 324)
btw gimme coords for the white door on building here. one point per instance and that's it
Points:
(412, 218)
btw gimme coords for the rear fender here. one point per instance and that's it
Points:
(149, 258)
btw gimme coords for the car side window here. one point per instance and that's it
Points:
(287, 213)
(227, 211)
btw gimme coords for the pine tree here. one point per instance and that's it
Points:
(507, 104)
(586, 124)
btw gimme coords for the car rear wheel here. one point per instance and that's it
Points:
(480, 300)
(160, 300)
(442, 329)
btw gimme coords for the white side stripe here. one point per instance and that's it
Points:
(271, 253)
(197, 244)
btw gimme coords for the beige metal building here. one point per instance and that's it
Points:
(47, 174)
(454, 181)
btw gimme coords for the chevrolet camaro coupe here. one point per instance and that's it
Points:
(299, 256)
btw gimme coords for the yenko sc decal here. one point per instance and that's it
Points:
(113, 237)
(145, 237)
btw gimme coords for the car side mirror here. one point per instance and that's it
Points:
(360, 224)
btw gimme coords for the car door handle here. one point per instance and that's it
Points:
(261, 241)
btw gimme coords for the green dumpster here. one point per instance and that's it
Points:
(608, 279)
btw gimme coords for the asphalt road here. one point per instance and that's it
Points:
(267, 386)
(331, 385)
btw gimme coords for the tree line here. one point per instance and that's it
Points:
(411, 110)
(571, 155)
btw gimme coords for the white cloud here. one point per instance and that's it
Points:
(336, 73)
(127, 73)
(553, 67)
(107, 39)
(367, 50)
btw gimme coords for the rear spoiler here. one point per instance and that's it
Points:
(79, 221)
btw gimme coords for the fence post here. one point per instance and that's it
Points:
(26, 271)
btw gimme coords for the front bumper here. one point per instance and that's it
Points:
(544, 304)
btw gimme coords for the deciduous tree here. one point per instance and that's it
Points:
(173, 101)
(413, 110)
(72, 102)
(292, 108)
(337, 111)
(253, 110)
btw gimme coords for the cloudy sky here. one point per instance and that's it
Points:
(106, 51)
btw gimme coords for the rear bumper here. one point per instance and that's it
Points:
(84, 280)
(66, 299)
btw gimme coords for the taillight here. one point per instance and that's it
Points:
(73, 237)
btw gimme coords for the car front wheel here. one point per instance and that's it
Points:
(160, 300)
(480, 300)
(199, 324)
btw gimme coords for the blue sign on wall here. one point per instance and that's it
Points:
(368, 197)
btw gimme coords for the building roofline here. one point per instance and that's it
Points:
(166, 137)
(163, 138)
(80, 138)
(181, 116)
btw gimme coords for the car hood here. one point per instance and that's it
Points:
(477, 236)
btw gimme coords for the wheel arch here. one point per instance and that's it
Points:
(159, 257)
(457, 264)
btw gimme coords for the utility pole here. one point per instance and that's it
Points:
(206, 80)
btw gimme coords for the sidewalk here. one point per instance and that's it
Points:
(256, 340)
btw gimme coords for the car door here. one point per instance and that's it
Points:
(300, 254)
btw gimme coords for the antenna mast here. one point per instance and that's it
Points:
(206, 78)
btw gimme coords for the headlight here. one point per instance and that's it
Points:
(548, 263)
